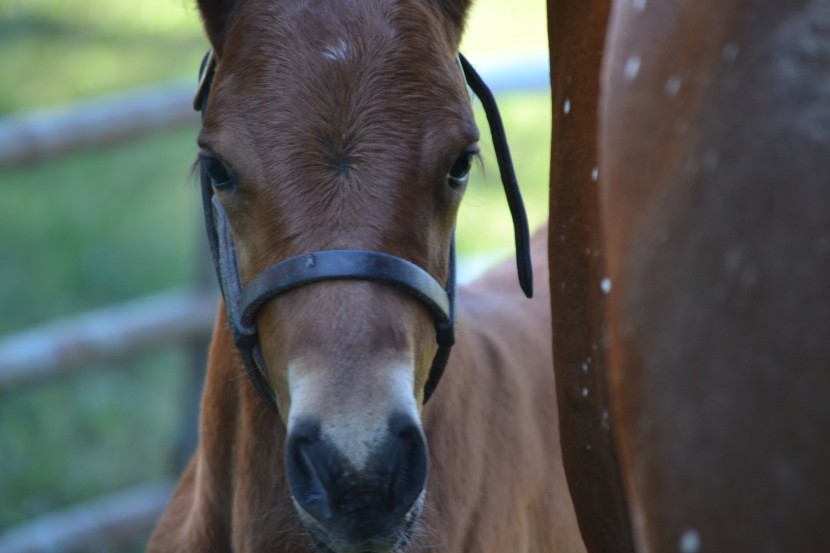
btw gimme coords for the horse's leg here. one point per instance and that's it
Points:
(576, 29)
(716, 209)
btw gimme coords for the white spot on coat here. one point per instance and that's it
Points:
(566, 108)
(673, 85)
(730, 52)
(595, 174)
(632, 67)
(605, 285)
(690, 541)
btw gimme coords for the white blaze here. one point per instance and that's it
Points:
(354, 421)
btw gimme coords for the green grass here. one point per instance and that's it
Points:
(484, 222)
(119, 222)
(87, 231)
(85, 227)
(82, 437)
(54, 51)
(59, 51)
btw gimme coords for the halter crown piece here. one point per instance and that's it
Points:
(242, 304)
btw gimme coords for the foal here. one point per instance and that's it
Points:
(332, 125)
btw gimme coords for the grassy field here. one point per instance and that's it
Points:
(122, 221)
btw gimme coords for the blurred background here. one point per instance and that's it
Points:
(105, 298)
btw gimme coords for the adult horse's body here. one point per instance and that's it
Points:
(714, 226)
(332, 125)
(576, 30)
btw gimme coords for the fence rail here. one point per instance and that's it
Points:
(74, 343)
(113, 522)
(46, 133)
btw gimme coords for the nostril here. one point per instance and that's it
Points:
(363, 501)
(314, 492)
(410, 467)
(305, 473)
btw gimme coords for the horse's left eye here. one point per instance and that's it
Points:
(460, 171)
(221, 177)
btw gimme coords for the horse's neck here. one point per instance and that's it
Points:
(496, 404)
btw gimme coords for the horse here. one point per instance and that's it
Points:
(576, 32)
(336, 145)
(706, 244)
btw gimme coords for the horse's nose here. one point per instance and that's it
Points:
(361, 502)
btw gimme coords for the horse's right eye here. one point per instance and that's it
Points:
(220, 176)
(460, 171)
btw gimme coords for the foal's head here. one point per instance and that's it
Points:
(343, 125)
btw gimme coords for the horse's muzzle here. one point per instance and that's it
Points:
(367, 510)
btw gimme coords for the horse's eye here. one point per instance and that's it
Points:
(220, 176)
(460, 170)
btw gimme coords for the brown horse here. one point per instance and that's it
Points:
(331, 125)
(711, 223)
(576, 30)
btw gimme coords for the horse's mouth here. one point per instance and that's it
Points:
(394, 539)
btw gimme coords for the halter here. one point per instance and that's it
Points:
(243, 303)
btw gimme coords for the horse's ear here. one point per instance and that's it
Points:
(455, 10)
(215, 15)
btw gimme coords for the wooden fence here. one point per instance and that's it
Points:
(111, 523)
(73, 344)
(68, 345)
(61, 130)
